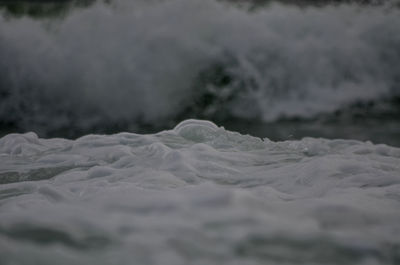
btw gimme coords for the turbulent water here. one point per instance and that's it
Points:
(197, 194)
(200, 194)
(144, 66)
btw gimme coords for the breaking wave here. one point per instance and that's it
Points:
(141, 65)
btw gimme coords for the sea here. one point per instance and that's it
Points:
(200, 132)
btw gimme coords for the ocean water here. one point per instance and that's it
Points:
(197, 194)
(179, 132)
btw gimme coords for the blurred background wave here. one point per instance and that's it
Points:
(282, 70)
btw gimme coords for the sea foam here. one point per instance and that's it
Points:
(197, 194)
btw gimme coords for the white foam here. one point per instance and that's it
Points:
(195, 194)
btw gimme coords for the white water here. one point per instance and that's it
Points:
(136, 60)
(197, 194)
